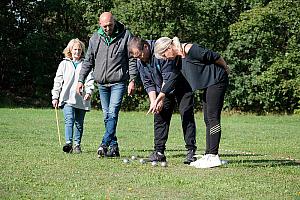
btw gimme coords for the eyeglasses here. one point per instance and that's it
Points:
(138, 53)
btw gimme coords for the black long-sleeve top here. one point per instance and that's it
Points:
(199, 69)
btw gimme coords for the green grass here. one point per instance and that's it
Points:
(260, 150)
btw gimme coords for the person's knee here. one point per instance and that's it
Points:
(69, 119)
(112, 115)
(114, 111)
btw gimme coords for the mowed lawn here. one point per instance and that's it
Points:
(263, 154)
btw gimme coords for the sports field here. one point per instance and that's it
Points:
(263, 154)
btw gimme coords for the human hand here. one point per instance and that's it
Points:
(87, 96)
(157, 105)
(55, 103)
(79, 88)
(152, 107)
(131, 88)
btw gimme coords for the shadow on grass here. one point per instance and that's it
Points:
(183, 153)
(265, 163)
(242, 163)
(239, 154)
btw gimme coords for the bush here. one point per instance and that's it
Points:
(265, 59)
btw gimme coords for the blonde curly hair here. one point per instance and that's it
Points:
(68, 50)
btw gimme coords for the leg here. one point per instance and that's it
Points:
(186, 109)
(213, 98)
(79, 120)
(69, 116)
(104, 93)
(162, 123)
(206, 121)
(69, 122)
(213, 104)
(117, 93)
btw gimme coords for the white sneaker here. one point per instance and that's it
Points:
(209, 161)
(198, 161)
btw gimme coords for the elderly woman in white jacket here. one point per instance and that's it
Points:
(64, 94)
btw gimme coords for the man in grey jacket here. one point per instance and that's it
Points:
(107, 54)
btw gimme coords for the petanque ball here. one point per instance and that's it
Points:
(142, 161)
(133, 157)
(164, 164)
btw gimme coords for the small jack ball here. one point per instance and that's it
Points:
(125, 160)
(133, 158)
(142, 161)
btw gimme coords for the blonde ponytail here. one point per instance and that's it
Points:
(176, 43)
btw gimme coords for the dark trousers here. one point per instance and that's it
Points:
(213, 100)
(185, 100)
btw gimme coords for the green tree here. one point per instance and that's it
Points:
(32, 45)
(264, 57)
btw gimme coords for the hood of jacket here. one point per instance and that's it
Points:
(118, 30)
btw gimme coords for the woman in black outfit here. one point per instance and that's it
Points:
(203, 69)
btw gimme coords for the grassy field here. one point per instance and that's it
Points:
(263, 154)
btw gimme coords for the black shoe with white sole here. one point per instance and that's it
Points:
(190, 157)
(157, 156)
(77, 149)
(102, 151)
(113, 152)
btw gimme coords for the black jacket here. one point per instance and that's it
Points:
(199, 69)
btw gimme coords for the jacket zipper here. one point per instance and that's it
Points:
(106, 65)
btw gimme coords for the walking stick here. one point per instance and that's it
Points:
(58, 132)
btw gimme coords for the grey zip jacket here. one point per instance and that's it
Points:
(111, 62)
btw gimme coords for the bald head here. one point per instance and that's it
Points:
(107, 22)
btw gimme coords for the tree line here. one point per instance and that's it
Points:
(260, 40)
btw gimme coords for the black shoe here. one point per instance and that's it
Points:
(157, 157)
(77, 149)
(102, 151)
(113, 152)
(190, 157)
(67, 148)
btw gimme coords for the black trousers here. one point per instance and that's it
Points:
(213, 100)
(184, 97)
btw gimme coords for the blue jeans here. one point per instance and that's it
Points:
(73, 116)
(111, 98)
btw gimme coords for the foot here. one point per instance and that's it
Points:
(190, 157)
(208, 161)
(67, 148)
(102, 151)
(113, 152)
(77, 149)
(157, 157)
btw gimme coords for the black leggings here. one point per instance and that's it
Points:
(213, 99)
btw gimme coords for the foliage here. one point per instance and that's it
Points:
(259, 39)
(264, 58)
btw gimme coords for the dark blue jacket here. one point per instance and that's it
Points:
(154, 73)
